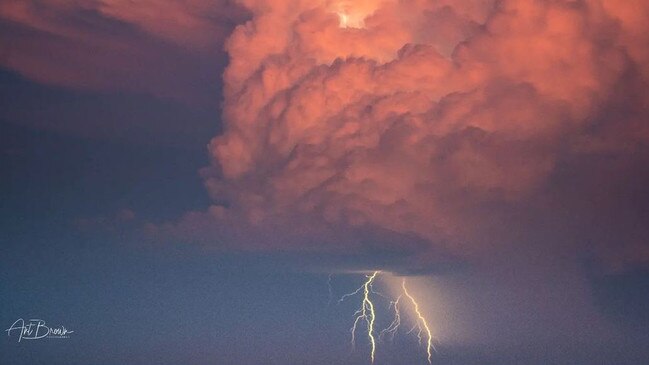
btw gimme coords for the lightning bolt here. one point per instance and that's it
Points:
(421, 324)
(396, 322)
(365, 312)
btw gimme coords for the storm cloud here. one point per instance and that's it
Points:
(467, 127)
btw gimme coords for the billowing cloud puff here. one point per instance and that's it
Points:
(464, 124)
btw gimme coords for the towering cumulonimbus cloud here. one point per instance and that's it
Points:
(438, 119)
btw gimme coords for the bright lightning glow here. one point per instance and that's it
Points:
(421, 321)
(349, 20)
(344, 20)
(351, 13)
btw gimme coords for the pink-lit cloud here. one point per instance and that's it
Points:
(450, 121)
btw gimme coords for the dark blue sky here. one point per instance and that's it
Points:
(105, 120)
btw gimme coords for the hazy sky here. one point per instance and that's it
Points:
(198, 182)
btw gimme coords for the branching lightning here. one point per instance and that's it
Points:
(392, 329)
(367, 313)
(422, 324)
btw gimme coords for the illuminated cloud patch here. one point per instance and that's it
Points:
(461, 123)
